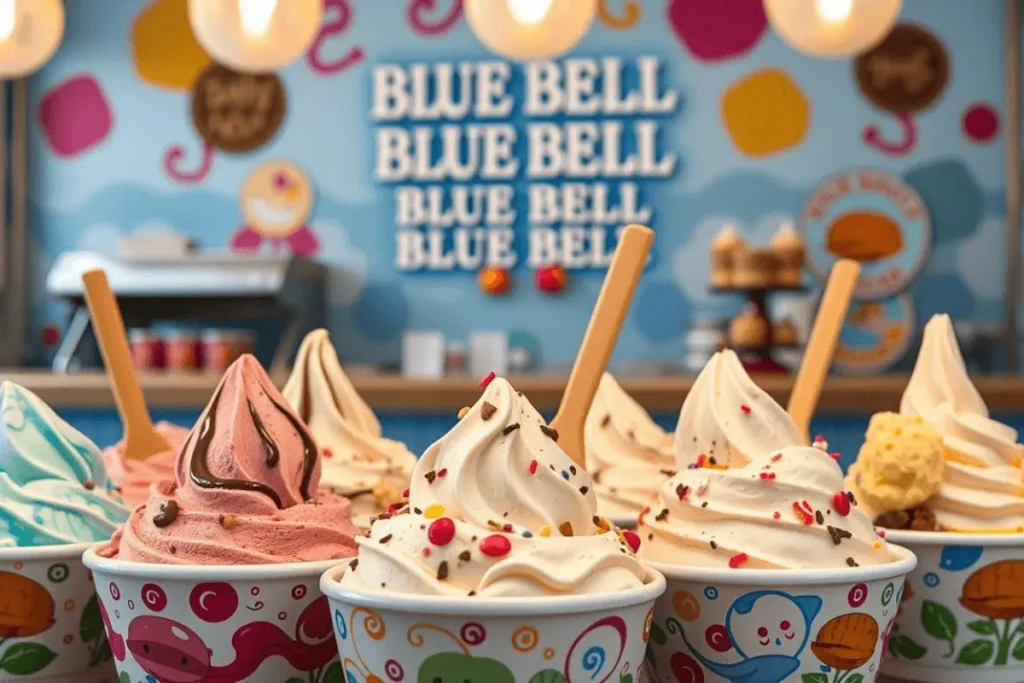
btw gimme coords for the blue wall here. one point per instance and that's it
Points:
(115, 182)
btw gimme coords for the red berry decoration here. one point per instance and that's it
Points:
(441, 531)
(551, 279)
(496, 545)
(632, 540)
(841, 503)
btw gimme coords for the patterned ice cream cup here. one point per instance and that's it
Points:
(774, 625)
(192, 623)
(402, 638)
(50, 623)
(962, 612)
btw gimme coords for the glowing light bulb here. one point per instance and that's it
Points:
(255, 16)
(8, 18)
(529, 12)
(833, 11)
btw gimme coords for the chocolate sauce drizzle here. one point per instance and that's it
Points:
(199, 468)
(273, 452)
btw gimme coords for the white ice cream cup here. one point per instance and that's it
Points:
(769, 626)
(557, 639)
(962, 614)
(189, 623)
(50, 625)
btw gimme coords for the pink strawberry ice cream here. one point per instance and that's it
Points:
(245, 488)
(134, 477)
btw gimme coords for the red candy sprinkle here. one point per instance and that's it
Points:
(643, 514)
(737, 560)
(443, 471)
(426, 552)
(841, 503)
(495, 546)
(533, 467)
(487, 380)
(700, 460)
(507, 528)
(776, 515)
(777, 457)
(441, 531)
(836, 455)
(805, 516)
(327, 453)
(767, 476)
(405, 493)
(880, 532)
(745, 408)
(632, 540)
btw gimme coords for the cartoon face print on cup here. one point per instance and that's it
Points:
(276, 201)
(167, 650)
(768, 629)
(903, 74)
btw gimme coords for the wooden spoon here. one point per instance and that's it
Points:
(141, 439)
(599, 339)
(835, 303)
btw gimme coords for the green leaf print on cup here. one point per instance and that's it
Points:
(658, 635)
(813, 678)
(976, 652)
(22, 659)
(455, 667)
(547, 676)
(92, 633)
(940, 623)
(854, 678)
(985, 628)
(905, 647)
(1018, 650)
(333, 673)
(125, 678)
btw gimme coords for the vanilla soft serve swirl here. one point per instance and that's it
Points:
(357, 459)
(777, 504)
(497, 508)
(628, 455)
(982, 479)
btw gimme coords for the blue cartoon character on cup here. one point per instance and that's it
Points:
(766, 629)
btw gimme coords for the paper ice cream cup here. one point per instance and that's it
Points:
(50, 624)
(768, 626)
(185, 624)
(962, 612)
(557, 639)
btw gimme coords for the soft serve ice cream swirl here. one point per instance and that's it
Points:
(627, 453)
(358, 462)
(496, 508)
(783, 507)
(53, 485)
(982, 487)
(245, 489)
(134, 477)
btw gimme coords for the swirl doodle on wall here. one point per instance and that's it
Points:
(903, 75)
(415, 16)
(595, 659)
(626, 18)
(331, 28)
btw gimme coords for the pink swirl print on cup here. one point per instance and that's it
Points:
(858, 594)
(213, 602)
(473, 633)
(153, 597)
(393, 670)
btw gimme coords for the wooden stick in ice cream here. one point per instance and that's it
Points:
(599, 339)
(141, 440)
(821, 346)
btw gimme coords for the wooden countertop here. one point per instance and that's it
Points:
(842, 395)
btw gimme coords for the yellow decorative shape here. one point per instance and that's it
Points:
(545, 531)
(434, 511)
(685, 606)
(624, 19)
(765, 113)
(164, 51)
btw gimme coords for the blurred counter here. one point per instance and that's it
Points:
(392, 393)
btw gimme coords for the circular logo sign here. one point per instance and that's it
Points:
(875, 335)
(237, 112)
(904, 73)
(871, 217)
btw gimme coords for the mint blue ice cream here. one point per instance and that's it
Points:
(53, 485)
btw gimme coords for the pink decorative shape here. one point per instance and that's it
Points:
(980, 122)
(416, 10)
(246, 240)
(213, 602)
(714, 31)
(872, 137)
(75, 116)
(176, 154)
(858, 594)
(686, 669)
(153, 597)
(339, 24)
(116, 640)
(303, 242)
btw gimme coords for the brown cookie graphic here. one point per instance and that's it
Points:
(847, 641)
(237, 112)
(904, 73)
(996, 590)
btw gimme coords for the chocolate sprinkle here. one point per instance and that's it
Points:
(661, 516)
(606, 420)
(704, 504)
(714, 546)
(850, 562)
(385, 539)
(819, 517)
(584, 489)
(510, 428)
(471, 593)
(565, 528)
(465, 556)
(168, 513)
(487, 411)
(442, 570)
(353, 564)
(89, 484)
(850, 497)
(838, 534)
(430, 476)
(550, 433)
